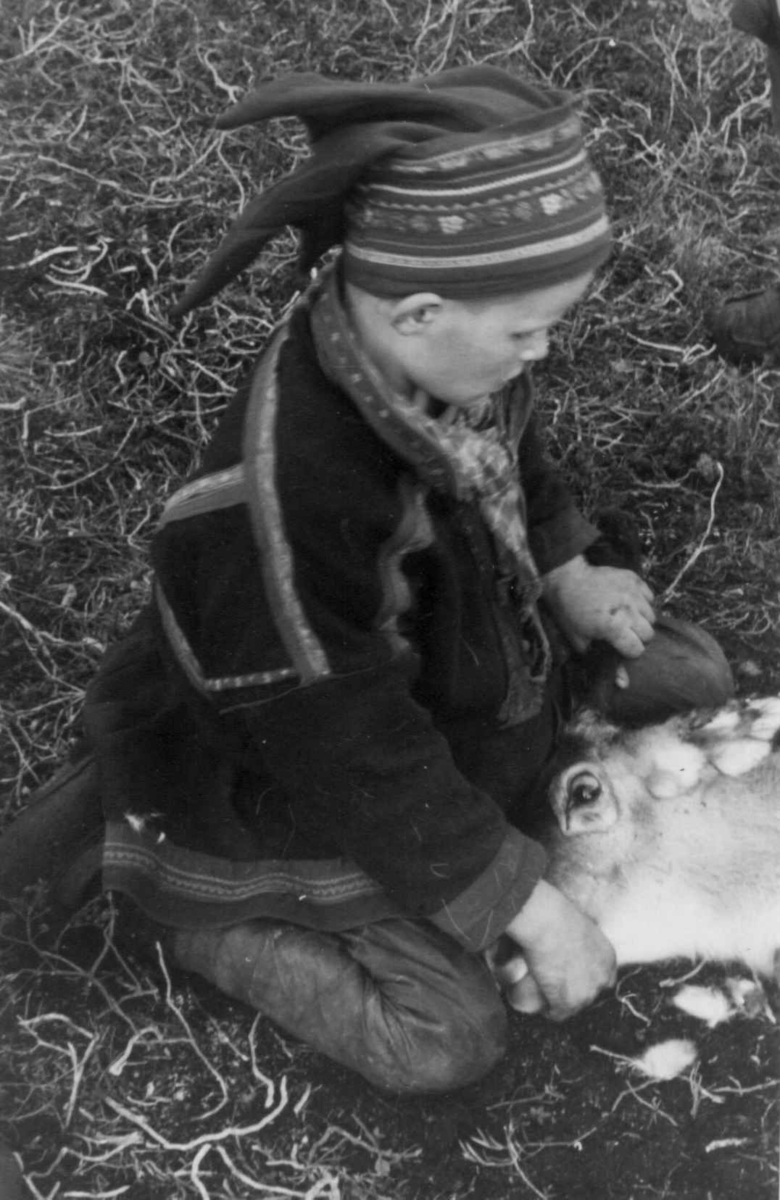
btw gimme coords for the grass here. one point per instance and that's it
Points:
(115, 185)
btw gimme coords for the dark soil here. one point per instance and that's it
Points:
(561, 1117)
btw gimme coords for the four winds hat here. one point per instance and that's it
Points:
(471, 183)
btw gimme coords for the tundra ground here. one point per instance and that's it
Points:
(118, 1078)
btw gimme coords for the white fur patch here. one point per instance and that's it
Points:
(705, 1003)
(768, 723)
(722, 722)
(666, 1060)
(740, 756)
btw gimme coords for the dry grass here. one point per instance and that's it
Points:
(114, 187)
(143, 1093)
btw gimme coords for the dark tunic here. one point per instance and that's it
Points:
(320, 717)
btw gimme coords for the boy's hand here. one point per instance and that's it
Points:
(608, 603)
(568, 957)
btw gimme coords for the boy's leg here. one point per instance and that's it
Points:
(397, 1001)
(57, 838)
(681, 668)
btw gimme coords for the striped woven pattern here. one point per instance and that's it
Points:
(499, 214)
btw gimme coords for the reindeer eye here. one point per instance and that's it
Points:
(583, 788)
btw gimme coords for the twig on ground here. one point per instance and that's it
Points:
(190, 1037)
(257, 1074)
(231, 1131)
(488, 1152)
(672, 588)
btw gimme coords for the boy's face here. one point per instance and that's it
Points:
(461, 352)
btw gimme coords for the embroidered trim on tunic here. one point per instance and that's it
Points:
(189, 663)
(182, 887)
(253, 483)
(220, 489)
(205, 876)
(265, 509)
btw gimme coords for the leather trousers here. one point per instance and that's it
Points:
(398, 1001)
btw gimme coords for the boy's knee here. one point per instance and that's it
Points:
(469, 1054)
(441, 1056)
(432, 1017)
(420, 1024)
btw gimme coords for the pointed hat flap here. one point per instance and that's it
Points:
(310, 199)
(461, 99)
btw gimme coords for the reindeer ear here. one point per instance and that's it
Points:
(583, 802)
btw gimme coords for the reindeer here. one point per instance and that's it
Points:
(669, 836)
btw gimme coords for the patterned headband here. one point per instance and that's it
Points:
(503, 213)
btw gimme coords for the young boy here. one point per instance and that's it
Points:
(317, 747)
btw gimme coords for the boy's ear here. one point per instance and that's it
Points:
(415, 314)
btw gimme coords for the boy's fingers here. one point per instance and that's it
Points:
(621, 677)
(526, 996)
(641, 600)
(628, 643)
(647, 610)
(644, 627)
(628, 635)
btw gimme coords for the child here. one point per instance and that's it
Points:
(317, 747)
